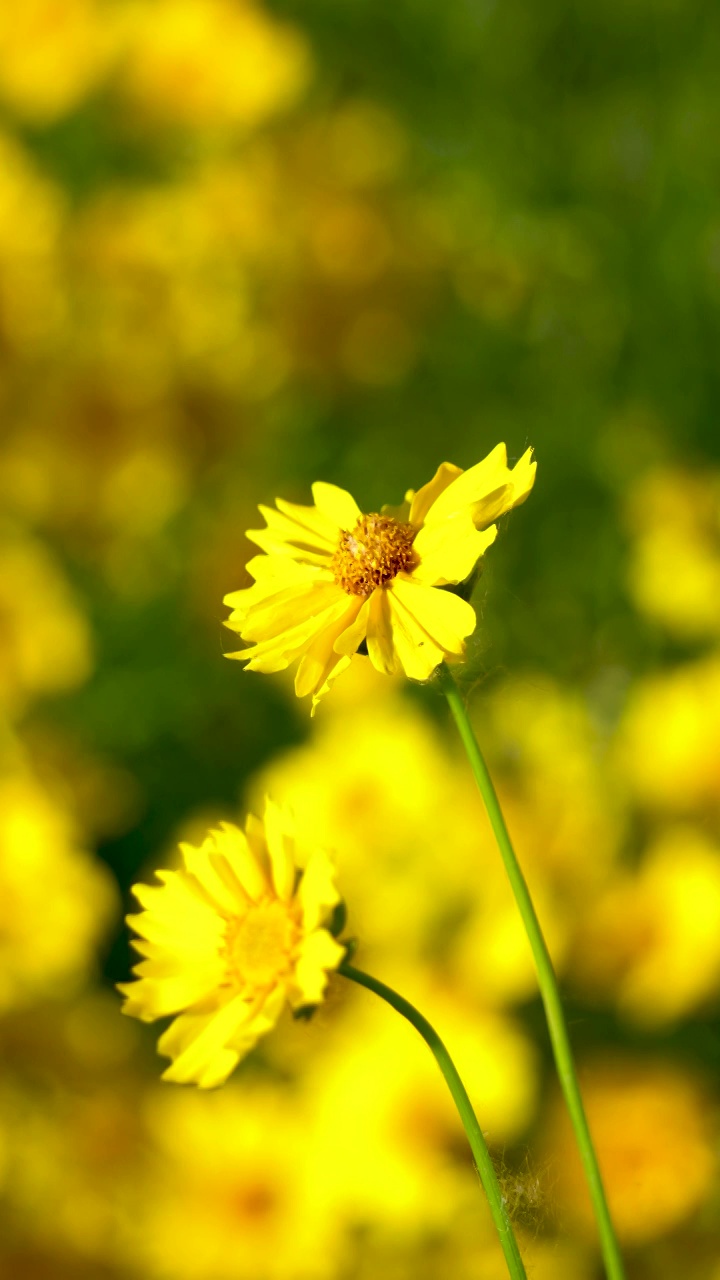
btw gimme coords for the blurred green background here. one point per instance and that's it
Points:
(244, 247)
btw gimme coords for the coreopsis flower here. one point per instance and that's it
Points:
(227, 940)
(333, 579)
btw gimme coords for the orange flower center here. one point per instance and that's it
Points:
(372, 553)
(259, 946)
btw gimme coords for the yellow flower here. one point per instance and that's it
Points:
(674, 518)
(231, 1191)
(213, 63)
(226, 941)
(653, 938)
(655, 1143)
(56, 900)
(333, 578)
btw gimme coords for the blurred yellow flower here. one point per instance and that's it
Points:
(668, 743)
(674, 516)
(376, 776)
(230, 1192)
(654, 937)
(398, 1155)
(333, 578)
(226, 941)
(213, 63)
(45, 642)
(654, 1143)
(53, 53)
(55, 901)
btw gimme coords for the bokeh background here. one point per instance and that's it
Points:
(243, 247)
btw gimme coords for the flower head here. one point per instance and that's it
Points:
(333, 578)
(226, 941)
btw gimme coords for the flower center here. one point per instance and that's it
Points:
(259, 945)
(372, 553)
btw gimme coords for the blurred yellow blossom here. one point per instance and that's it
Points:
(674, 517)
(212, 63)
(653, 1135)
(230, 1193)
(550, 760)
(53, 53)
(547, 758)
(385, 1125)
(45, 641)
(56, 903)
(489, 952)
(653, 938)
(226, 941)
(332, 578)
(668, 743)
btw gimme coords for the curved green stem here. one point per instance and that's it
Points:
(474, 1133)
(546, 979)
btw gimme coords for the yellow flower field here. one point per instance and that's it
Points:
(338, 254)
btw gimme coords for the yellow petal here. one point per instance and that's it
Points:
(417, 653)
(281, 549)
(311, 520)
(281, 862)
(232, 844)
(522, 479)
(305, 528)
(281, 571)
(333, 671)
(195, 1039)
(291, 607)
(204, 1045)
(424, 498)
(445, 617)
(479, 489)
(337, 505)
(272, 574)
(381, 651)
(317, 893)
(401, 510)
(449, 550)
(277, 653)
(320, 657)
(318, 953)
(355, 630)
(197, 862)
(176, 910)
(176, 931)
(169, 985)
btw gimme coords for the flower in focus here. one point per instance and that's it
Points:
(226, 941)
(333, 578)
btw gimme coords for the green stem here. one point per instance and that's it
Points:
(546, 978)
(474, 1133)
